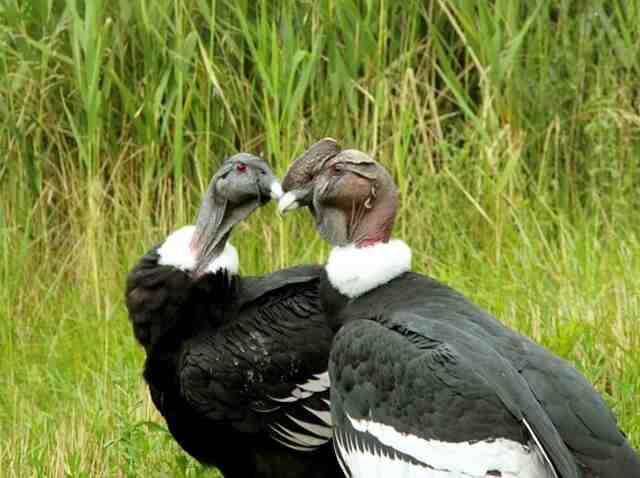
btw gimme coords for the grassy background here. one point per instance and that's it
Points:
(512, 127)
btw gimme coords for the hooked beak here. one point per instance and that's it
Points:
(269, 187)
(295, 199)
(299, 180)
(276, 189)
(222, 209)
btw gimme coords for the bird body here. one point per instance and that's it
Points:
(237, 366)
(414, 389)
(424, 383)
(419, 314)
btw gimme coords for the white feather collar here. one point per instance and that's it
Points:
(354, 271)
(175, 251)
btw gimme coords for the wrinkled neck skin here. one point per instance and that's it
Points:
(214, 224)
(369, 260)
(205, 226)
(360, 226)
(216, 218)
(208, 259)
(375, 227)
(204, 248)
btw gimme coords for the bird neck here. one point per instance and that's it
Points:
(376, 224)
(356, 269)
(177, 251)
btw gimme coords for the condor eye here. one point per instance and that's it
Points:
(241, 167)
(337, 168)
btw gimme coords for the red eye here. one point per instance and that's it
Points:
(336, 169)
(241, 167)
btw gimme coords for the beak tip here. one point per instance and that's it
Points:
(287, 202)
(276, 190)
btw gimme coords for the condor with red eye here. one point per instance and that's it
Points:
(236, 365)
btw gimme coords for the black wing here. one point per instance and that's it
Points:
(267, 369)
(166, 303)
(153, 295)
(408, 386)
(581, 416)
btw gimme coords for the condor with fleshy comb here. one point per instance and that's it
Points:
(424, 382)
(236, 365)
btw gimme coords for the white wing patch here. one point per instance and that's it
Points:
(442, 459)
(358, 460)
(320, 430)
(323, 415)
(302, 439)
(319, 383)
(300, 434)
(541, 449)
(291, 445)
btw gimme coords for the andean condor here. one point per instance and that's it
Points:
(236, 365)
(424, 383)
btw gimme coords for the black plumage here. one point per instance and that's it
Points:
(223, 353)
(236, 365)
(414, 314)
(423, 381)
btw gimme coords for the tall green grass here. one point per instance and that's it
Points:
(512, 127)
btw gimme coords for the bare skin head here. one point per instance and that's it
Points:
(243, 184)
(352, 197)
(298, 181)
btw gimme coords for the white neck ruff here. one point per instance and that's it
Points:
(356, 270)
(176, 252)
